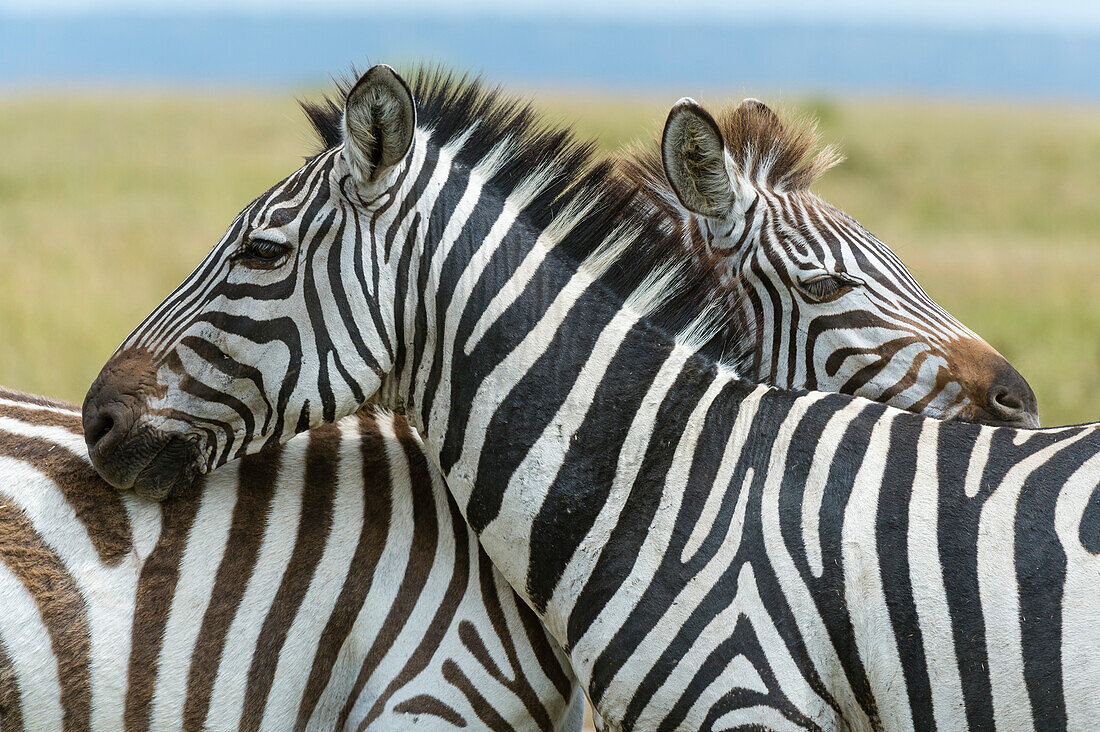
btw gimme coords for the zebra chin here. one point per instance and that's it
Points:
(172, 471)
(156, 465)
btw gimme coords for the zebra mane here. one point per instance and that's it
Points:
(586, 210)
(785, 155)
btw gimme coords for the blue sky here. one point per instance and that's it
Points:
(1008, 48)
(1018, 13)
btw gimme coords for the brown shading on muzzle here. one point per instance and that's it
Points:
(998, 394)
(125, 449)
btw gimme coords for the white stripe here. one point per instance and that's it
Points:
(455, 225)
(392, 562)
(926, 578)
(197, 571)
(818, 477)
(799, 598)
(58, 435)
(67, 411)
(978, 459)
(279, 539)
(507, 537)
(108, 591)
(561, 225)
(702, 645)
(30, 652)
(685, 451)
(296, 656)
(863, 591)
(629, 463)
(618, 607)
(496, 387)
(1080, 631)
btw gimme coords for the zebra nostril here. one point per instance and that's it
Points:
(1005, 400)
(106, 427)
(1013, 404)
(99, 428)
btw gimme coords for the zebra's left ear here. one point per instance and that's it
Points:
(379, 120)
(694, 156)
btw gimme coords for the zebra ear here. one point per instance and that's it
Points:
(752, 105)
(379, 120)
(694, 157)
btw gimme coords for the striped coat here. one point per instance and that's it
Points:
(330, 584)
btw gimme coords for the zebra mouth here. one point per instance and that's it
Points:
(153, 463)
(171, 471)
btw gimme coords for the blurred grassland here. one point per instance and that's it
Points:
(107, 200)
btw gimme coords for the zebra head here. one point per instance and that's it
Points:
(242, 353)
(834, 307)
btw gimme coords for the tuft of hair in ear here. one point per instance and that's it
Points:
(379, 121)
(694, 159)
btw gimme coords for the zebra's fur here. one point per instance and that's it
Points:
(329, 584)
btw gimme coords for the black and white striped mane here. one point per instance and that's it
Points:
(682, 295)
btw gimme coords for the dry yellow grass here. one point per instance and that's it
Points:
(107, 201)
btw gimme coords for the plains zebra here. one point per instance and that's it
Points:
(81, 481)
(704, 548)
(836, 309)
(330, 584)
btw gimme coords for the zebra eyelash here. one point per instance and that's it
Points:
(261, 253)
(828, 287)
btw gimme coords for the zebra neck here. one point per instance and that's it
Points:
(541, 397)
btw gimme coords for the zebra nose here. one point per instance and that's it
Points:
(105, 427)
(1011, 400)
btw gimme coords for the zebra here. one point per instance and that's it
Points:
(328, 584)
(710, 553)
(78, 479)
(838, 311)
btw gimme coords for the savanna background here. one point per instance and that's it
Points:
(131, 136)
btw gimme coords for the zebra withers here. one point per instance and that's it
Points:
(835, 308)
(328, 584)
(701, 546)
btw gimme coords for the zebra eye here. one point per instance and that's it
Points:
(262, 253)
(828, 287)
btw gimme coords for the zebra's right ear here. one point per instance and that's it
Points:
(694, 157)
(379, 121)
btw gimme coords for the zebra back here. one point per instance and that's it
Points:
(327, 584)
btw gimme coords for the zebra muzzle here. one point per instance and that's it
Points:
(128, 451)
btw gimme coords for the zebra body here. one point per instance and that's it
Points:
(711, 553)
(813, 561)
(330, 584)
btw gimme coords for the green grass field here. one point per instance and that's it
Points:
(107, 200)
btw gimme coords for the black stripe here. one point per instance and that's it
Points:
(523, 416)
(892, 533)
(958, 541)
(829, 590)
(1041, 572)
